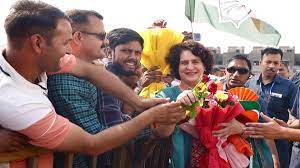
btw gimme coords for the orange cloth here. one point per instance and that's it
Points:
(240, 144)
(248, 116)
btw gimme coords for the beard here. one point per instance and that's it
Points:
(120, 71)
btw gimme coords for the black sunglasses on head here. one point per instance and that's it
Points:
(239, 70)
(100, 36)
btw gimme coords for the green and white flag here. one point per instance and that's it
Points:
(233, 17)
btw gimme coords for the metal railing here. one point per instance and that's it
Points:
(122, 156)
(31, 154)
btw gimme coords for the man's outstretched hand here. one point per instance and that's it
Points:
(272, 129)
(148, 103)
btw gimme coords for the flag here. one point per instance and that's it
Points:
(232, 18)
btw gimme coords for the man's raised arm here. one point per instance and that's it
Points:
(100, 77)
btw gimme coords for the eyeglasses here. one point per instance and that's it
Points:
(100, 36)
(240, 70)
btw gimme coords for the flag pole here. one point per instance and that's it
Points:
(192, 31)
(191, 19)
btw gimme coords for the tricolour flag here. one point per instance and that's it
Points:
(232, 17)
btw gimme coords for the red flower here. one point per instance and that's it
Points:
(205, 79)
(212, 88)
(231, 98)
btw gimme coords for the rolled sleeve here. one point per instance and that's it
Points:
(48, 132)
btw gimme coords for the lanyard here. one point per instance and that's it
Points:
(270, 91)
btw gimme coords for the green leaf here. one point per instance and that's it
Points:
(192, 108)
(206, 93)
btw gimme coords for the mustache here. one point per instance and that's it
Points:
(133, 60)
(235, 79)
(270, 69)
(120, 71)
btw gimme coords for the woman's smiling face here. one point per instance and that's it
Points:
(190, 68)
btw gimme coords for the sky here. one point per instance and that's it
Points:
(139, 14)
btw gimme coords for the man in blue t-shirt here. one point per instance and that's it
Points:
(278, 93)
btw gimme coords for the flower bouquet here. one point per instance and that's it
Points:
(215, 107)
(157, 43)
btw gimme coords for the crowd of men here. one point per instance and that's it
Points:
(91, 107)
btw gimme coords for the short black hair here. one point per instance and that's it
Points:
(271, 50)
(28, 17)
(241, 57)
(122, 36)
(173, 58)
(80, 17)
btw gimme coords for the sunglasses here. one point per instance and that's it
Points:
(100, 36)
(239, 70)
